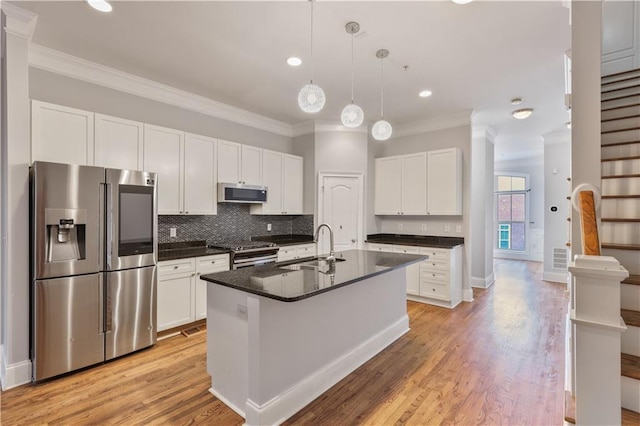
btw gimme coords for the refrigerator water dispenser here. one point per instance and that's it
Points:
(65, 236)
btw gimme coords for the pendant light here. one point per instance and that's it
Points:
(352, 115)
(381, 129)
(311, 97)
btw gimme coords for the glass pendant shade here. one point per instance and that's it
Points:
(311, 98)
(381, 130)
(352, 116)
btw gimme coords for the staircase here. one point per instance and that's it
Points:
(620, 210)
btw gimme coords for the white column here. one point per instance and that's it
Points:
(16, 142)
(595, 315)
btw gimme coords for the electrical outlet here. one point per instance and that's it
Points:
(173, 232)
(424, 227)
(242, 311)
(269, 227)
(447, 228)
(399, 227)
(458, 228)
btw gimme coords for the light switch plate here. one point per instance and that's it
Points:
(458, 228)
(447, 228)
(399, 227)
(424, 227)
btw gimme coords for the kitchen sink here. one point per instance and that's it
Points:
(320, 264)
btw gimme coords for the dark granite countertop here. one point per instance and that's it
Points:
(415, 240)
(174, 251)
(275, 282)
(285, 240)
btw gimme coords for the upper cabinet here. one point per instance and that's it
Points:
(424, 183)
(60, 134)
(200, 196)
(401, 185)
(444, 189)
(282, 175)
(239, 163)
(118, 143)
(164, 154)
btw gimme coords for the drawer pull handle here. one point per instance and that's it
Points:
(433, 275)
(433, 289)
(213, 261)
(175, 267)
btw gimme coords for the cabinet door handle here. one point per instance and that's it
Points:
(175, 267)
(193, 275)
(186, 212)
(213, 261)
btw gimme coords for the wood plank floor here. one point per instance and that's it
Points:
(498, 360)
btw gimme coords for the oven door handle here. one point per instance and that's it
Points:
(254, 259)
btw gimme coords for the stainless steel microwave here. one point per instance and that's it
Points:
(240, 193)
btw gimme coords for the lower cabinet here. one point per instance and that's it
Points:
(438, 280)
(182, 296)
(296, 252)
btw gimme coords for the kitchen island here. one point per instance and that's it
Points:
(278, 336)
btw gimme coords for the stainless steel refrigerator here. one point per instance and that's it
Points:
(93, 265)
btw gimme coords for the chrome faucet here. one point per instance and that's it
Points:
(331, 257)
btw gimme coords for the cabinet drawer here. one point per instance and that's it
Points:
(436, 291)
(379, 247)
(434, 275)
(210, 263)
(406, 249)
(434, 265)
(436, 254)
(172, 267)
(306, 251)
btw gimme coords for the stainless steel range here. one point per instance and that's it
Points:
(249, 253)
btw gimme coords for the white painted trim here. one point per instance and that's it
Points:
(320, 203)
(620, 327)
(226, 402)
(13, 375)
(336, 126)
(303, 129)
(485, 282)
(20, 22)
(630, 392)
(555, 277)
(432, 124)
(288, 403)
(81, 69)
(467, 295)
(486, 132)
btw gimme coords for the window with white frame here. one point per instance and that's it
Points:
(511, 212)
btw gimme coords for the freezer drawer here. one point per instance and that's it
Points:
(67, 325)
(130, 317)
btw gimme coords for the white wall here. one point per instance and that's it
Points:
(55, 88)
(557, 168)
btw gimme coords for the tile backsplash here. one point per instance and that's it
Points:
(232, 223)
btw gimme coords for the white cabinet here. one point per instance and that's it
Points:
(163, 154)
(444, 189)
(200, 195)
(296, 252)
(441, 276)
(413, 271)
(239, 163)
(186, 169)
(401, 185)
(118, 143)
(182, 296)
(61, 134)
(282, 175)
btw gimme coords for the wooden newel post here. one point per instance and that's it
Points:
(595, 317)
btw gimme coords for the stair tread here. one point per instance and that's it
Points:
(632, 279)
(620, 107)
(620, 176)
(626, 117)
(631, 157)
(618, 220)
(630, 317)
(621, 88)
(630, 365)
(604, 145)
(617, 98)
(630, 417)
(621, 246)
(625, 129)
(617, 74)
(613, 197)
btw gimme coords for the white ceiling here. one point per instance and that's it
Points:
(473, 57)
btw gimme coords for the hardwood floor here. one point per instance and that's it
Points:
(498, 360)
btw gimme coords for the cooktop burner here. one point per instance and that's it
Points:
(239, 246)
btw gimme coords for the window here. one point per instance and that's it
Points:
(511, 207)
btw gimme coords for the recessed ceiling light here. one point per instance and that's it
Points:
(425, 93)
(101, 5)
(461, 1)
(521, 114)
(516, 101)
(293, 61)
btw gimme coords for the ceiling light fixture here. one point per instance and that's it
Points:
(516, 101)
(425, 93)
(101, 5)
(462, 1)
(352, 115)
(311, 97)
(521, 114)
(294, 61)
(382, 129)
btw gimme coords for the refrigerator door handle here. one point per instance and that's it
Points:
(108, 312)
(109, 224)
(101, 236)
(101, 293)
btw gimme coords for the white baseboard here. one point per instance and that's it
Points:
(288, 403)
(485, 282)
(13, 375)
(630, 393)
(467, 295)
(226, 402)
(555, 277)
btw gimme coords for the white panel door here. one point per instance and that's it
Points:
(292, 169)
(175, 301)
(388, 175)
(251, 165)
(118, 143)
(444, 182)
(272, 179)
(414, 184)
(60, 134)
(341, 212)
(620, 36)
(200, 196)
(163, 154)
(229, 157)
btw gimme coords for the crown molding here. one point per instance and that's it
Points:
(484, 132)
(436, 123)
(19, 22)
(336, 126)
(303, 128)
(81, 69)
